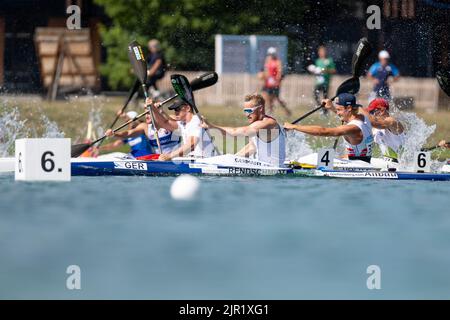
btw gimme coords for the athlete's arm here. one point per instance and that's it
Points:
(111, 146)
(249, 131)
(181, 151)
(248, 150)
(324, 132)
(140, 129)
(387, 123)
(160, 120)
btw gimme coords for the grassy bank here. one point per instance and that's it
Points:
(71, 117)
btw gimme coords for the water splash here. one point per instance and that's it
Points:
(11, 128)
(416, 134)
(296, 145)
(51, 128)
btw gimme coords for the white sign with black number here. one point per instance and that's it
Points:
(422, 161)
(325, 159)
(42, 160)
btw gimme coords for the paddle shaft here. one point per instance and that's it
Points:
(152, 115)
(311, 112)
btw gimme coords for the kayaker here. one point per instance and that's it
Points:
(272, 76)
(139, 144)
(267, 137)
(444, 144)
(387, 131)
(356, 128)
(380, 73)
(168, 139)
(195, 140)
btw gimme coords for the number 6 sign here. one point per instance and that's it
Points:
(42, 160)
(422, 161)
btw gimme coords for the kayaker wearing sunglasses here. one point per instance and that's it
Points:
(267, 137)
(195, 140)
(387, 131)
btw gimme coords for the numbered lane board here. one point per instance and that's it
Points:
(42, 160)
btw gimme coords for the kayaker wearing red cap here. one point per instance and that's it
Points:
(356, 128)
(387, 131)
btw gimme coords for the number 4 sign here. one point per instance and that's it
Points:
(43, 160)
(325, 158)
(422, 161)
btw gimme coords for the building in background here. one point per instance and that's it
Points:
(19, 62)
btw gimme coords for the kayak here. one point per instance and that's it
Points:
(230, 165)
(119, 164)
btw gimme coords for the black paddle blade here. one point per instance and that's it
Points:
(363, 50)
(205, 80)
(182, 87)
(443, 78)
(78, 149)
(349, 86)
(137, 60)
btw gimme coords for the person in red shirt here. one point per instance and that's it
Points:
(272, 76)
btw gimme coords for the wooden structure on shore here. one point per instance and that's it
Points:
(66, 60)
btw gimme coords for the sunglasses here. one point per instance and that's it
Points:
(249, 111)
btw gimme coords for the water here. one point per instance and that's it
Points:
(249, 238)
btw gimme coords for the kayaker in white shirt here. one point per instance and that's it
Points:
(267, 137)
(356, 128)
(387, 131)
(195, 140)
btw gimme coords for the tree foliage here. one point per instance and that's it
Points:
(186, 28)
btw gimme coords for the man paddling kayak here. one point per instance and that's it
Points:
(144, 131)
(139, 144)
(356, 128)
(387, 131)
(267, 136)
(195, 140)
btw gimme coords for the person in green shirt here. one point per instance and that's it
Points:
(323, 68)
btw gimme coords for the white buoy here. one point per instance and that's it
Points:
(184, 187)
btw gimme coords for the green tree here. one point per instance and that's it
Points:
(186, 29)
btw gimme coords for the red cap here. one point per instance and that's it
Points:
(378, 103)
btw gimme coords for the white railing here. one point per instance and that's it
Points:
(298, 89)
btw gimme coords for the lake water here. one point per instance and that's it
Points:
(241, 238)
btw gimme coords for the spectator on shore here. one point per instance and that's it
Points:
(323, 68)
(380, 73)
(156, 65)
(272, 75)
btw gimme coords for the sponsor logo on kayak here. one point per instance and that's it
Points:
(381, 175)
(130, 165)
(250, 161)
(255, 172)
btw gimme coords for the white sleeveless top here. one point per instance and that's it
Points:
(204, 147)
(169, 140)
(389, 143)
(363, 149)
(273, 152)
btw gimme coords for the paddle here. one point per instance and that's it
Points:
(433, 147)
(130, 96)
(139, 65)
(203, 81)
(443, 78)
(181, 86)
(352, 84)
